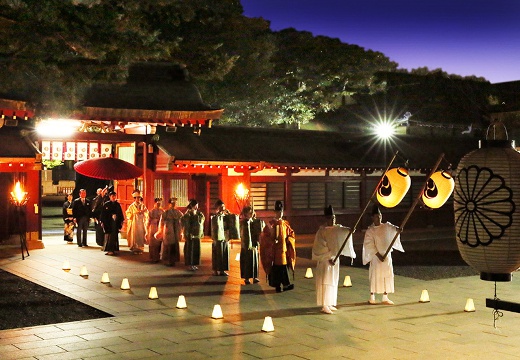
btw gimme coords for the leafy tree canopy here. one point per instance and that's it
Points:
(51, 51)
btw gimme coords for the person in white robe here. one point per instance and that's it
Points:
(378, 238)
(137, 223)
(327, 243)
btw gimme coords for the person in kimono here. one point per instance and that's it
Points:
(327, 243)
(68, 219)
(193, 224)
(136, 224)
(170, 231)
(154, 216)
(112, 219)
(220, 236)
(97, 207)
(278, 250)
(378, 239)
(250, 230)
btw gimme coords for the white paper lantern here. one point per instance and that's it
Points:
(487, 208)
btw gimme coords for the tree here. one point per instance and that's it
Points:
(52, 50)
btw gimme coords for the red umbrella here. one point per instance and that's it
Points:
(108, 168)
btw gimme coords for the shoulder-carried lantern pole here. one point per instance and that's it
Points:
(352, 230)
(416, 201)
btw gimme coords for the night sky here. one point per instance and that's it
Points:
(463, 37)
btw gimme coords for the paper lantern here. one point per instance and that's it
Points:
(308, 273)
(152, 295)
(470, 306)
(347, 282)
(268, 324)
(393, 187)
(181, 302)
(125, 285)
(105, 279)
(487, 190)
(424, 297)
(438, 189)
(83, 271)
(217, 312)
(66, 266)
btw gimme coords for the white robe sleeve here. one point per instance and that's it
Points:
(397, 244)
(369, 245)
(320, 251)
(341, 234)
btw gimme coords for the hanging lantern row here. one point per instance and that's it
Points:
(396, 183)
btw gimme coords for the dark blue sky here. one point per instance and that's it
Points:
(463, 37)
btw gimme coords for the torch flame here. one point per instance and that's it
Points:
(241, 192)
(18, 194)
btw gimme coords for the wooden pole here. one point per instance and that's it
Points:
(416, 201)
(352, 230)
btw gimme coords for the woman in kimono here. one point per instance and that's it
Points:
(137, 222)
(170, 231)
(68, 219)
(154, 216)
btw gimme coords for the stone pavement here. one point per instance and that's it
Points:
(143, 328)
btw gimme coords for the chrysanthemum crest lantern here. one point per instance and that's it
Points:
(487, 188)
(393, 187)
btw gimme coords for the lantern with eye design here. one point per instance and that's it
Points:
(393, 187)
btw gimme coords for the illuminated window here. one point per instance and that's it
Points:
(157, 189)
(264, 195)
(179, 189)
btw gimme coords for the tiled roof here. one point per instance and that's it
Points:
(305, 148)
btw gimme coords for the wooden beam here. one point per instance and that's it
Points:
(503, 305)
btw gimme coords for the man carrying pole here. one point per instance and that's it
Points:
(380, 239)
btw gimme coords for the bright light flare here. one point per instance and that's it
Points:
(384, 130)
(57, 127)
(241, 192)
(18, 194)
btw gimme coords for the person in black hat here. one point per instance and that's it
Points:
(112, 219)
(278, 250)
(193, 223)
(97, 207)
(378, 239)
(327, 243)
(250, 229)
(220, 237)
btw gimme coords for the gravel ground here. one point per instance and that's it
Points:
(24, 303)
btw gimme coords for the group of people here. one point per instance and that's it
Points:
(333, 240)
(270, 243)
(103, 209)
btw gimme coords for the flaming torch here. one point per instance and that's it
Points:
(19, 199)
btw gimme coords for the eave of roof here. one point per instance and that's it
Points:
(306, 149)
